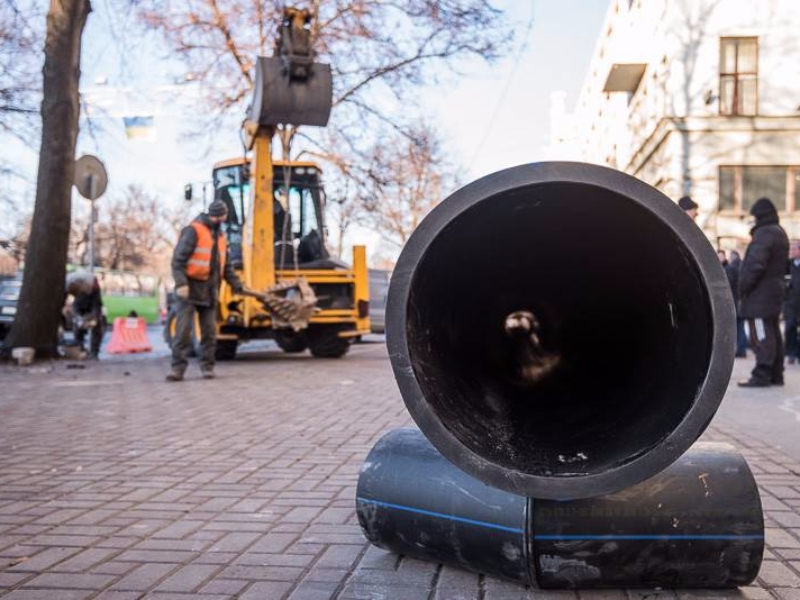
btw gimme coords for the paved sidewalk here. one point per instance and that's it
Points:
(117, 485)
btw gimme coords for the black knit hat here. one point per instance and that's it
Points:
(217, 209)
(687, 203)
(763, 208)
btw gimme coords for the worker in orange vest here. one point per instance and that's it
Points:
(198, 263)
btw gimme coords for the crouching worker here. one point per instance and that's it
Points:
(87, 310)
(198, 263)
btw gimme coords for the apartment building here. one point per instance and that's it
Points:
(698, 98)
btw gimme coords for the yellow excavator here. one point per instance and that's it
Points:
(295, 292)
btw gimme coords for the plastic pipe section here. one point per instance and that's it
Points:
(560, 294)
(698, 524)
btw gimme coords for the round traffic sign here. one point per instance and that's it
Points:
(91, 178)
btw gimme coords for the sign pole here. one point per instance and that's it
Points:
(91, 221)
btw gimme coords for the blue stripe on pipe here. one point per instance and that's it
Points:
(430, 513)
(612, 537)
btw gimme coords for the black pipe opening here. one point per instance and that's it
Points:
(559, 329)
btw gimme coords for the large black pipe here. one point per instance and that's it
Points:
(698, 524)
(560, 330)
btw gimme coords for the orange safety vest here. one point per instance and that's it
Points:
(199, 265)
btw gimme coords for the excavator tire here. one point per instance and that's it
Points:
(325, 343)
(226, 349)
(170, 330)
(291, 342)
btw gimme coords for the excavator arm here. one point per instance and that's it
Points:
(290, 89)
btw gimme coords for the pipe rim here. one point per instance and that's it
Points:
(707, 399)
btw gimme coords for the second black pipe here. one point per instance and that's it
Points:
(698, 524)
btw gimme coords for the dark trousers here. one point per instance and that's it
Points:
(767, 343)
(207, 318)
(95, 339)
(792, 349)
(741, 337)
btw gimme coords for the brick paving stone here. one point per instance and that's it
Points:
(8, 580)
(325, 575)
(114, 568)
(234, 542)
(275, 560)
(455, 584)
(49, 594)
(377, 558)
(339, 556)
(775, 574)
(171, 545)
(755, 593)
(273, 542)
(144, 577)
(786, 519)
(362, 591)
(266, 589)
(65, 581)
(261, 573)
(215, 558)
(44, 559)
(188, 578)
(494, 589)
(178, 529)
(224, 586)
(779, 538)
(314, 590)
(179, 596)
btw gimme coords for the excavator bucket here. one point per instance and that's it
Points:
(279, 98)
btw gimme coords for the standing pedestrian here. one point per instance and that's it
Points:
(732, 271)
(761, 290)
(791, 308)
(198, 264)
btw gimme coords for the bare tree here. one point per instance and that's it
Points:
(20, 47)
(20, 55)
(406, 182)
(381, 53)
(367, 42)
(42, 292)
(134, 232)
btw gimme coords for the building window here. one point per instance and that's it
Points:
(741, 186)
(738, 76)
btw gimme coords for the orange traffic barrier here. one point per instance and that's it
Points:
(129, 336)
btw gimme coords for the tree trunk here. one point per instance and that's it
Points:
(42, 295)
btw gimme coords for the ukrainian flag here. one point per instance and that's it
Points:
(140, 128)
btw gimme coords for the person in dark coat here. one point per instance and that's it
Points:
(198, 264)
(732, 271)
(791, 307)
(689, 206)
(761, 290)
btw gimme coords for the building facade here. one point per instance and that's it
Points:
(697, 98)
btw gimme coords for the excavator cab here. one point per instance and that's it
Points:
(298, 211)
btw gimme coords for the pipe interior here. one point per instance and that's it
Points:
(623, 341)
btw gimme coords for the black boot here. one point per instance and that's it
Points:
(754, 383)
